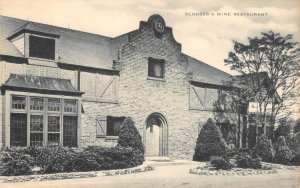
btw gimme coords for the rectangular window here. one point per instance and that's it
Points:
(18, 103)
(108, 125)
(70, 106)
(18, 130)
(70, 131)
(41, 47)
(48, 124)
(36, 130)
(53, 130)
(156, 67)
(53, 105)
(37, 104)
(114, 125)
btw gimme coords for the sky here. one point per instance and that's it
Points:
(207, 38)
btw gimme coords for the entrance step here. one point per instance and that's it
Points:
(158, 159)
(166, 161)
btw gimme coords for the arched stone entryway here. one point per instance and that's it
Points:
(156, 135)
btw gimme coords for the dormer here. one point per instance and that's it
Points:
(36, 42)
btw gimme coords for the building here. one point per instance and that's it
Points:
(65, 87)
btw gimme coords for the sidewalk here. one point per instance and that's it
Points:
(169, 175)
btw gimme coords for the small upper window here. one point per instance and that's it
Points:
(156, 68)
(18, 103)
(41, 47)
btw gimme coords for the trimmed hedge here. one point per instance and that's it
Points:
(244, 160)
(264, 149)
(293, 142)
(15, 163)
(283, 153)
(50, 159)
(209, 142)
(21, 161)
(129, 137)
(220, 163)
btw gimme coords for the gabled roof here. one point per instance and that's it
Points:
(33, 27)
(76, 47)
(202, 72)
(262, 77)
(92, 50)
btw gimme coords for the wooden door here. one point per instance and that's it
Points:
(152, 140)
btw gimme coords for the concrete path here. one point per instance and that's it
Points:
(169, 176)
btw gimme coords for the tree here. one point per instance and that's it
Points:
(129, 137)
(225, 109)
(283, 154)
(284, 129)
(209, 142)
(269, 68)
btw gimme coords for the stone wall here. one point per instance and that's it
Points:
(140, 96)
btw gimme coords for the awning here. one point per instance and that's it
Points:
(40, 85)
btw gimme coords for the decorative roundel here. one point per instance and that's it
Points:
(159, 25)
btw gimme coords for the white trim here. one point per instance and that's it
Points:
(45, 113)
(7, 119)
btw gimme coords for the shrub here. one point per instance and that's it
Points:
(128, 153)
(112, 158)
(283, 153)
(220, 163)
(264, 149)
(20, 161)
(293, 142)
(297, 127)
(84, 161)
(209, 142)
(51, 159)
(244, 160)
(284, 129)
(129, 137)
(15, 163)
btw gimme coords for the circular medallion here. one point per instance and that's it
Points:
(159, 25)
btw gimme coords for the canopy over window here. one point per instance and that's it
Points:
(41, 85)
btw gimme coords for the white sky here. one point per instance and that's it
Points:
(207, 38)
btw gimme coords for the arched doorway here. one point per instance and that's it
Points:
(156, 135)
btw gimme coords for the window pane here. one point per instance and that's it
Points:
(53, 105)
(36, 104)
(53, 123)
(36, 123)
(156, 68)
(36, 139)
(70, 106)
(18, 130)
(53, 139)
(114, 125)
(18, 103)
(41, 47)
(70, 131)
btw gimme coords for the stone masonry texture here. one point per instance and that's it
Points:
(139, 96)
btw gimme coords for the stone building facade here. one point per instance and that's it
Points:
(79, 91)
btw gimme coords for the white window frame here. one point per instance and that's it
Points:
(9, 110)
